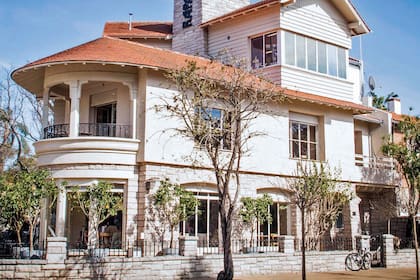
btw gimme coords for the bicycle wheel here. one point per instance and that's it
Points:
(354, 262)
(367, 260)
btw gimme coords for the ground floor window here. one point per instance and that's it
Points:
(110, 230)
(278, 226)
(205, 222)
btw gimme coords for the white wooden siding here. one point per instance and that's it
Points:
(318, 19)
(233, 35)
(271, 73)
(311, 82)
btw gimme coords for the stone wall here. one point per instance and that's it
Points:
(179, 267)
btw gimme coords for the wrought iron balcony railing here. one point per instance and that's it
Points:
(89, 129)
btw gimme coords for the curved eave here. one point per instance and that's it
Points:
(31, 77)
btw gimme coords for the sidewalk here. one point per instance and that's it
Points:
(374, 273)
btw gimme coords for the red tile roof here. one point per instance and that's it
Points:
(116, 51)
(159, 30)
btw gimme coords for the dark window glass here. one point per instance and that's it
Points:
(257, 52)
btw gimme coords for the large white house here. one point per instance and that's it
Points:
(104, 127)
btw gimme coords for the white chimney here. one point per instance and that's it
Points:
(367, 100)
(394, 106)
(129, 21)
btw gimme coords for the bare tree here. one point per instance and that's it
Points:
(319, 199)
(216, 105)
(20, 121)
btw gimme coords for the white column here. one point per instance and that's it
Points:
(60, 216)
(43, 223)
(75, 93)
(133, 100)
(45, 107)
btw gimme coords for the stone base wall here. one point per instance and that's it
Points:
(178, 267)
(401, 258)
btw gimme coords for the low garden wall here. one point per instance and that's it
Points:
(169, 267)
(188, 266)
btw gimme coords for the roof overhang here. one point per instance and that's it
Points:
(369, 119)
(355, 22)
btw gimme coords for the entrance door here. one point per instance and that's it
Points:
(106, 117)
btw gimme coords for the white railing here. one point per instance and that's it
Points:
(374, 162)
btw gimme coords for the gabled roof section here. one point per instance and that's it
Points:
(107, 50)
(141, 29)
(243, 11)
(345, 7)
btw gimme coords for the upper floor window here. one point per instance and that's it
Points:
(303, 140)
(264, 50)
(213, 128)
(315, 55)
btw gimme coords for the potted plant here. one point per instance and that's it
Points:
(253, 212)
(173, 204)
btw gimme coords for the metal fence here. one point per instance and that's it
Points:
(325, 244)
(13, 250)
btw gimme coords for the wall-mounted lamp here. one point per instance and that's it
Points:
(147, 185)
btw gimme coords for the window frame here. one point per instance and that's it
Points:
(302, 141)
(226, 140)
(274, 50)
(337, 72)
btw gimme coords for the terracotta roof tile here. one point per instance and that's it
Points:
(161, 30)
(117, 51)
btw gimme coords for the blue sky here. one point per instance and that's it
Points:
(34, 29)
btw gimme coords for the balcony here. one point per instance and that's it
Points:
(89, 129)
(376, 170)
(386, 163)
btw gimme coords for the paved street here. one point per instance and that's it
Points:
(376, 273)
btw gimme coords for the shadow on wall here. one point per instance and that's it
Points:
(197, 270)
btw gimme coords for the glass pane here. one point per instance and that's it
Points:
(303, 150)
(274, 217)
(289, 39)
(313, 151)
(270, 49)
(304, 132)
(283, 221)
(295, 131)
(190, 226)
(312, 133)
(257, 52)
(202, 217)
(214, 224)
(311, 50)
(295, 149)
(216, 116)
(342, 65)
(332, 60)
(300, 51)
(322, 58)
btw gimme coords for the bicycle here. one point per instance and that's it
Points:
(358, 260)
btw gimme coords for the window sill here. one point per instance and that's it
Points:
(265, 67)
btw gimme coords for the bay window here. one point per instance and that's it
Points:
(314, 55)
(264, 50)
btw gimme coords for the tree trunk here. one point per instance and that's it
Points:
(19, 237)
(303, 245)
(416, 245)
(93, 226)
(226, 219)
(31, 239)
(172, 237)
